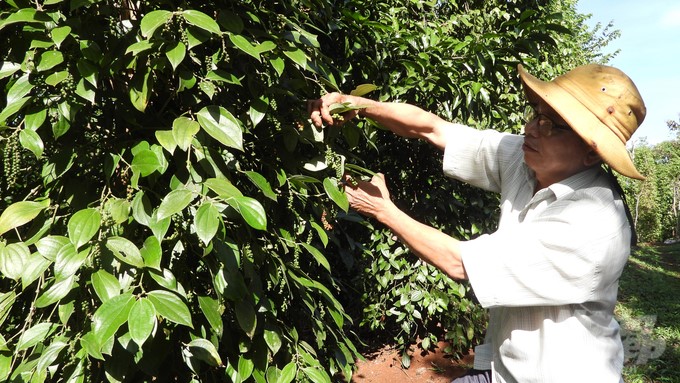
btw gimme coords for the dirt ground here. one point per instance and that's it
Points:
(426, 367)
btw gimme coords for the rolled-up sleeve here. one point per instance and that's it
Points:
(480, 157)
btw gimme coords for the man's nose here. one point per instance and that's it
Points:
(531, 128)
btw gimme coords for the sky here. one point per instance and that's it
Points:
(649, 54)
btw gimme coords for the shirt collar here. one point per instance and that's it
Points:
(575, 182)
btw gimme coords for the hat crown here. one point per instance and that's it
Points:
(609, 94)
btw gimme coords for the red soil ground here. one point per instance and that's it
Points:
(384, 366)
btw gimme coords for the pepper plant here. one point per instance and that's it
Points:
(169, 213)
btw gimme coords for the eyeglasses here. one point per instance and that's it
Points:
(546, 127)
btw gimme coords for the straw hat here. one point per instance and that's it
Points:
(600, 103)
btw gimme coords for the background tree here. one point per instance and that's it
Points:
(168, 212)
(656, 200)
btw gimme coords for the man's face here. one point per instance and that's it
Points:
(558, 155)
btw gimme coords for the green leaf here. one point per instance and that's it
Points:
(363, 89)
(34, 267)
(11, 109)
(83, 225)
(316, 375)
(223, 76)
(25, 15)
(5, 365)
(105, 285)
(152, 253)
(145, 162)
(56, 77)
(258, 109)
(266, 46)
(110, 316)
(59, 34)
(278, 64)
(89, 344)
(201, 20)
(211, 310)
(221, 125)
(140, 89)
(118, 209)
(141, 320)
(176, 54)
(174, 202)
(298, 57)
(245, 367)
(152, 20)
(317, 255)
(244, 45)
(262, 184)
(49, 246)
(320, 232)
(6, 301)
(8, 68)
(288, 373)
(65, 311)
(207, 221)
(56, 292)
(167, 140)
(183, 131)
(246, 317)
(88, 71)
(125, 250)
(68, 261)
(35, 119)
(50, 354)
(86, 91)
(12, 260)
(165, 278)
(19, 89)
(196, 36)
(251, 210)
(34, 335)
(48, 60)
(20, 213)
(272, 336)
(159, 227)
(208, 88)
(61, 127)
(204, 350)
(330, 186)
(31, 140)
(171, 307)
(138, 47)
(141, 208)
(223, 187)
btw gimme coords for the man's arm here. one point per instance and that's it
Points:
(403, 119)
(431, 245)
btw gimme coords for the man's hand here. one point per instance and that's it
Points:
(320, 112)
(368, 198)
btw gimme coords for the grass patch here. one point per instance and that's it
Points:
(649, 313)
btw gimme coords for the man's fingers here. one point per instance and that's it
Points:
(325, 113)
(319, 112)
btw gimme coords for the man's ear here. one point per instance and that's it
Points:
(592, 158)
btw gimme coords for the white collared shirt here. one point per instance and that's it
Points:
(549, 274)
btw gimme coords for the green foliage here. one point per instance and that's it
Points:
(654, 202)
(169, 213)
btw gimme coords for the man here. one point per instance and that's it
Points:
(549, 274)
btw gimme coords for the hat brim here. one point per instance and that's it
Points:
(583, 121)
